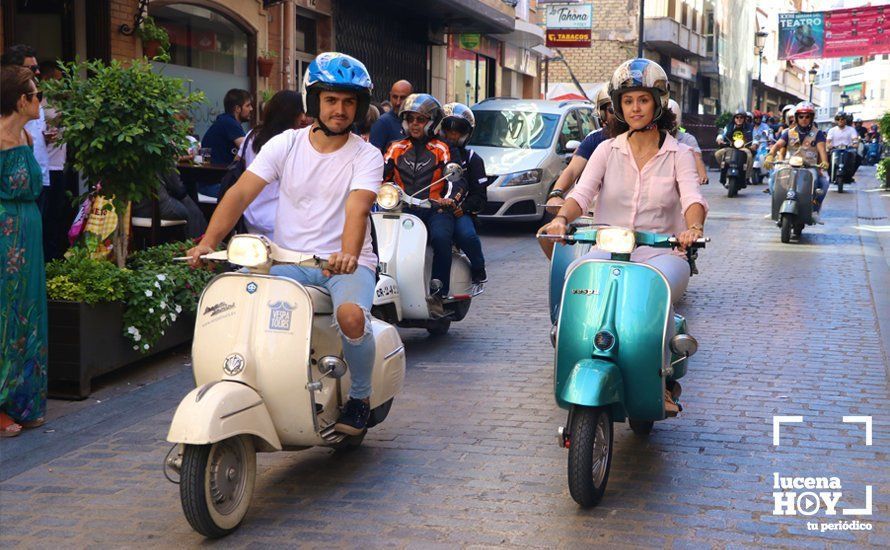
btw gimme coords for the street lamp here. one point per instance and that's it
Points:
(844, 100)
(813, 72)
(759, 43)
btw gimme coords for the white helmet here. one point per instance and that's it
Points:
(675, 108)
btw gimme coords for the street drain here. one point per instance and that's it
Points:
(871, 219)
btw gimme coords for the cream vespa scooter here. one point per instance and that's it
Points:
(402, 296)
(270, 376)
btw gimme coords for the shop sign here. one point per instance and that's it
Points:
(559, 38)
(470, 41)
(569, 16)
(682, 70)
(519, 60)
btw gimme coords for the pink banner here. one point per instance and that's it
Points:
(857, 32)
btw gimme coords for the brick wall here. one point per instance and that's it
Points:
(123, 47)
(614, 41)
(275, 18)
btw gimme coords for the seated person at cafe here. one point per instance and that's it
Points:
(225, 135)
(175, 204)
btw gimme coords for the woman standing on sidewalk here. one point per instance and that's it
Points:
(22, 274)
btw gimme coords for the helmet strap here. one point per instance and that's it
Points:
(327, 131)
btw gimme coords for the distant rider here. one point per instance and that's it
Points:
(689, 140)
(737, 129)
(844, 135)
(458, 123)
(807, 141)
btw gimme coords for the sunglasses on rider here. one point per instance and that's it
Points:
(805, 115)
(608, 109)
(416, 118)
(38, 94)
(740, 116)
(34, 68)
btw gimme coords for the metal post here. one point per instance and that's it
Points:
(546, 77)
(811, 91)
(642, 22)
(759, 106)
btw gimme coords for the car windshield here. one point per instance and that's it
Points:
(514, 129)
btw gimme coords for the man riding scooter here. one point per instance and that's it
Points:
(844, 135)
(417, 164)
(807, 141)
(735, 130)
(329, 178)
(458, 123)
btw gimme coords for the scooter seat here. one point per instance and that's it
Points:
(321, 300)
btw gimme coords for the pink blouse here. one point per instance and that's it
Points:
(654, 199)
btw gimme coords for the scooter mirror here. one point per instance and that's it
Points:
(453, 172)
(684, 345)
(332, 366)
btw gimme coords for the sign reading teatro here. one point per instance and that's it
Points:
(851, 32)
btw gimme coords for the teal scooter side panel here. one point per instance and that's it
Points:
(632, 302)
(680, 367)
(563, 256)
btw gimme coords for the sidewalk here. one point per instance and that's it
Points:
(873, 206)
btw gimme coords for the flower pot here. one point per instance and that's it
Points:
(151, 48)
(264, 66)
(86, 341)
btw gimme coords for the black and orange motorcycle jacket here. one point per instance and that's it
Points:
(414, 164)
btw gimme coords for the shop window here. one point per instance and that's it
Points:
(306, 37)
(203, 39)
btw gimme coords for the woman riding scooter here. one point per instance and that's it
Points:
(642, 179)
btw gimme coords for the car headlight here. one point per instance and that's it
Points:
(616, 240)
(248, 250)
(739, 143)
(389, 196)
(526, 177)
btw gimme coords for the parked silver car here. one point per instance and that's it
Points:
(525, 145)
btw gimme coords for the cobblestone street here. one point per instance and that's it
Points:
(469, 455)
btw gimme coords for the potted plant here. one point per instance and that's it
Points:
(265, 61)
(102, 317)
(154, 38)
(122, 129)
(883, 170)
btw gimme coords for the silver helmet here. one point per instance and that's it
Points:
(640, 75)
(425, 105)
(457, 116)
(603, 99)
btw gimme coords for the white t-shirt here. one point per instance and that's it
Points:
(313, 189)
(55, 152)
(260, 214)
(688, 139)
(35, 129)
(842, 138)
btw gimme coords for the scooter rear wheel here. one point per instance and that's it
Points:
(439, 327)
(590, 454)
(641, 427)
(216, 484)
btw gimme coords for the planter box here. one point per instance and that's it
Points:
(87, 341)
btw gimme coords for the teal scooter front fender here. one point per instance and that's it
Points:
(593, 383)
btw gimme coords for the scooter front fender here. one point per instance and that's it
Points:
(593, 383)
(222, 409)
(789, 207)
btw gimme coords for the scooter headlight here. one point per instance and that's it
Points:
(249, 250)
(616, 240)
(796, 162)
(389, 196)
(739, 143)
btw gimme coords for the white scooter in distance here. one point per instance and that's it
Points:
(405, 261)
(270, 376)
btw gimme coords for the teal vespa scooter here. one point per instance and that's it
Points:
(618, 349)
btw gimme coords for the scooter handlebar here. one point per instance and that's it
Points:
(699, 243)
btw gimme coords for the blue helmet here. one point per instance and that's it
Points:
(332, 71)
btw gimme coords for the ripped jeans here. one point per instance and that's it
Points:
(355, 288)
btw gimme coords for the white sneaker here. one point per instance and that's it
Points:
(816, 218)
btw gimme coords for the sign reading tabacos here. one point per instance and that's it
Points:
(568, 25)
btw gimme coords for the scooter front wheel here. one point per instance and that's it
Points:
(590, 454)
(217, 483)
(786, 228)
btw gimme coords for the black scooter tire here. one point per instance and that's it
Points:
(732, 186)
(786, 228)
(641, 427)
(584, 486)
(840, 187)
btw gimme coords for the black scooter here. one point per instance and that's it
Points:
(792, 207)
(842, 162)
(734, 169)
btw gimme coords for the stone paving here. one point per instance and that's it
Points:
(468, 456)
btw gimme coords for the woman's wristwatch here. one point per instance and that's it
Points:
(556, 193)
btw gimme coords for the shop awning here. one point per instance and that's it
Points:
(525, 35)
(461, 16)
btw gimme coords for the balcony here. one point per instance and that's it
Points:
(670, 37)
(852, 75)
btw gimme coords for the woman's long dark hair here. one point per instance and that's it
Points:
(666, 123)
(279, 114)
